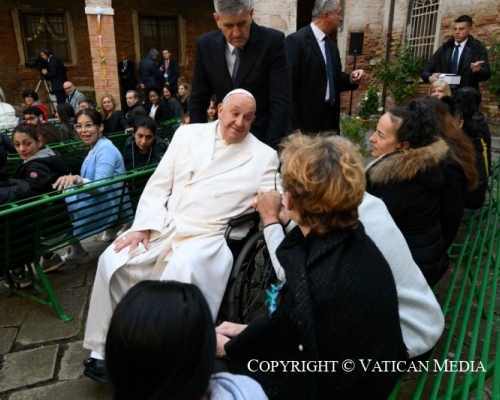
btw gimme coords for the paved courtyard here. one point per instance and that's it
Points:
(41, 356)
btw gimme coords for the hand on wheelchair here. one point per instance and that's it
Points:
(225, 332)
(132, 239)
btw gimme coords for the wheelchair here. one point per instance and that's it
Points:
(251, 275)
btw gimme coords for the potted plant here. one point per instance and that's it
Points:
(401, 74)
(351, 129)
(370, 104)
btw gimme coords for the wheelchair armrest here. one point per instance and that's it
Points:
(255, 217)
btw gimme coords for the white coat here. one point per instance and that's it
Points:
(186, 204)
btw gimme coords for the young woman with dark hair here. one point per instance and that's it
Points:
(31, 99)
(103, 161)
(175, 109)
(167, 349)
(459, 169)
(408, 176)
(143, 148)
(156, 107)
(66, 116)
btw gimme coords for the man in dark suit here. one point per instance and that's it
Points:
(316, 71)
(170, 70)
(243, 55)
(149, 73)
(126, 72)
(55, 73)
(461, 55)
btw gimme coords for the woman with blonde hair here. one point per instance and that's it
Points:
(113, 120)
(183, 96)
(439, 89)
(339, 300)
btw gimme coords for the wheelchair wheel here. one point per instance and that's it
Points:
(254, 274)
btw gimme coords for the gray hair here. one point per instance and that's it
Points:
(321, 6)
(136, 95)
(153, 52)
(232, 7)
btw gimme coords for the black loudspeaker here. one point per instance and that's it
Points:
(356, 43)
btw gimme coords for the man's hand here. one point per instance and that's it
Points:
(356, 75)
(44, 71)
(142, 85)
(476, 66)
(434, 77)
(229, 329)
(220, 351)
(132, 239)
(268, 205)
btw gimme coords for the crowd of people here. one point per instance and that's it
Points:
(356, 249)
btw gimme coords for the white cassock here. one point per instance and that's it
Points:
(198, 186)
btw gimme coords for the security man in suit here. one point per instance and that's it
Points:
(316, 71)
(126, 72)
(242, 54)
(461, 55)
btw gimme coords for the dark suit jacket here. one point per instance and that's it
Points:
(56, 74)
(263, 72)
(473, 51)
(127, 75)
(173, 74)
(162, 112)
(134, 112)
(149, 74)
(116, 123)
(309, 79)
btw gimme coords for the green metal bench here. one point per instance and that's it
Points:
(471, 309)
(37, 226)
(166, 129)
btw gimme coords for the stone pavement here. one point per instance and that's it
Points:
(41, 356)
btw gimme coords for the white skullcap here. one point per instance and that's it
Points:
(238, 91)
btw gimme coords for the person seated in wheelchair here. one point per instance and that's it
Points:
(339, 300)
(209, 175)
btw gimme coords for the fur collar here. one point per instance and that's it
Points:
(404, 165)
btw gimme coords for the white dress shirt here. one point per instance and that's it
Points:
(321, 38)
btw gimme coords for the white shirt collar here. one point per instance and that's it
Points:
(318, 33)
(462, 45)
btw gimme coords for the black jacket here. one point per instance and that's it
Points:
(116, 123)
(173, 74)
(473, 51)
(56, 73)
(41, 171)
(12, 189)
(174, 108)
(134, 112)
(162, 111)
(149, 74)
(409, 183)
(133, 159)
(263, 72)
(339, 303)
(309, 79)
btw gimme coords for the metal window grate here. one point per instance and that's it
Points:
(161, 33)
(45, 30)
(422, 29)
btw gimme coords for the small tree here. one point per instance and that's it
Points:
(401, 74)
(493, 83)
(370, 104)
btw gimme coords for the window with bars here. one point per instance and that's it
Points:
(422, 27)
(161, 33)
(42, 30)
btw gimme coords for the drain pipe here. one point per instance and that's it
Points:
(388, 47)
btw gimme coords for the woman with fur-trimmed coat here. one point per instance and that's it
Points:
(408, 175)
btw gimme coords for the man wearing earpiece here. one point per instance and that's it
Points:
(55, 73)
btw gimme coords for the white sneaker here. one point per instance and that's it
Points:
(52, 264)
(73, 258)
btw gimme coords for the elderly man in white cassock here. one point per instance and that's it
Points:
(209, 174)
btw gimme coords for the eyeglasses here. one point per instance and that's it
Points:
(86, 126)
(30, 118)
(67, 88)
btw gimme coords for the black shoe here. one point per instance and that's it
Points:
(96, 370)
